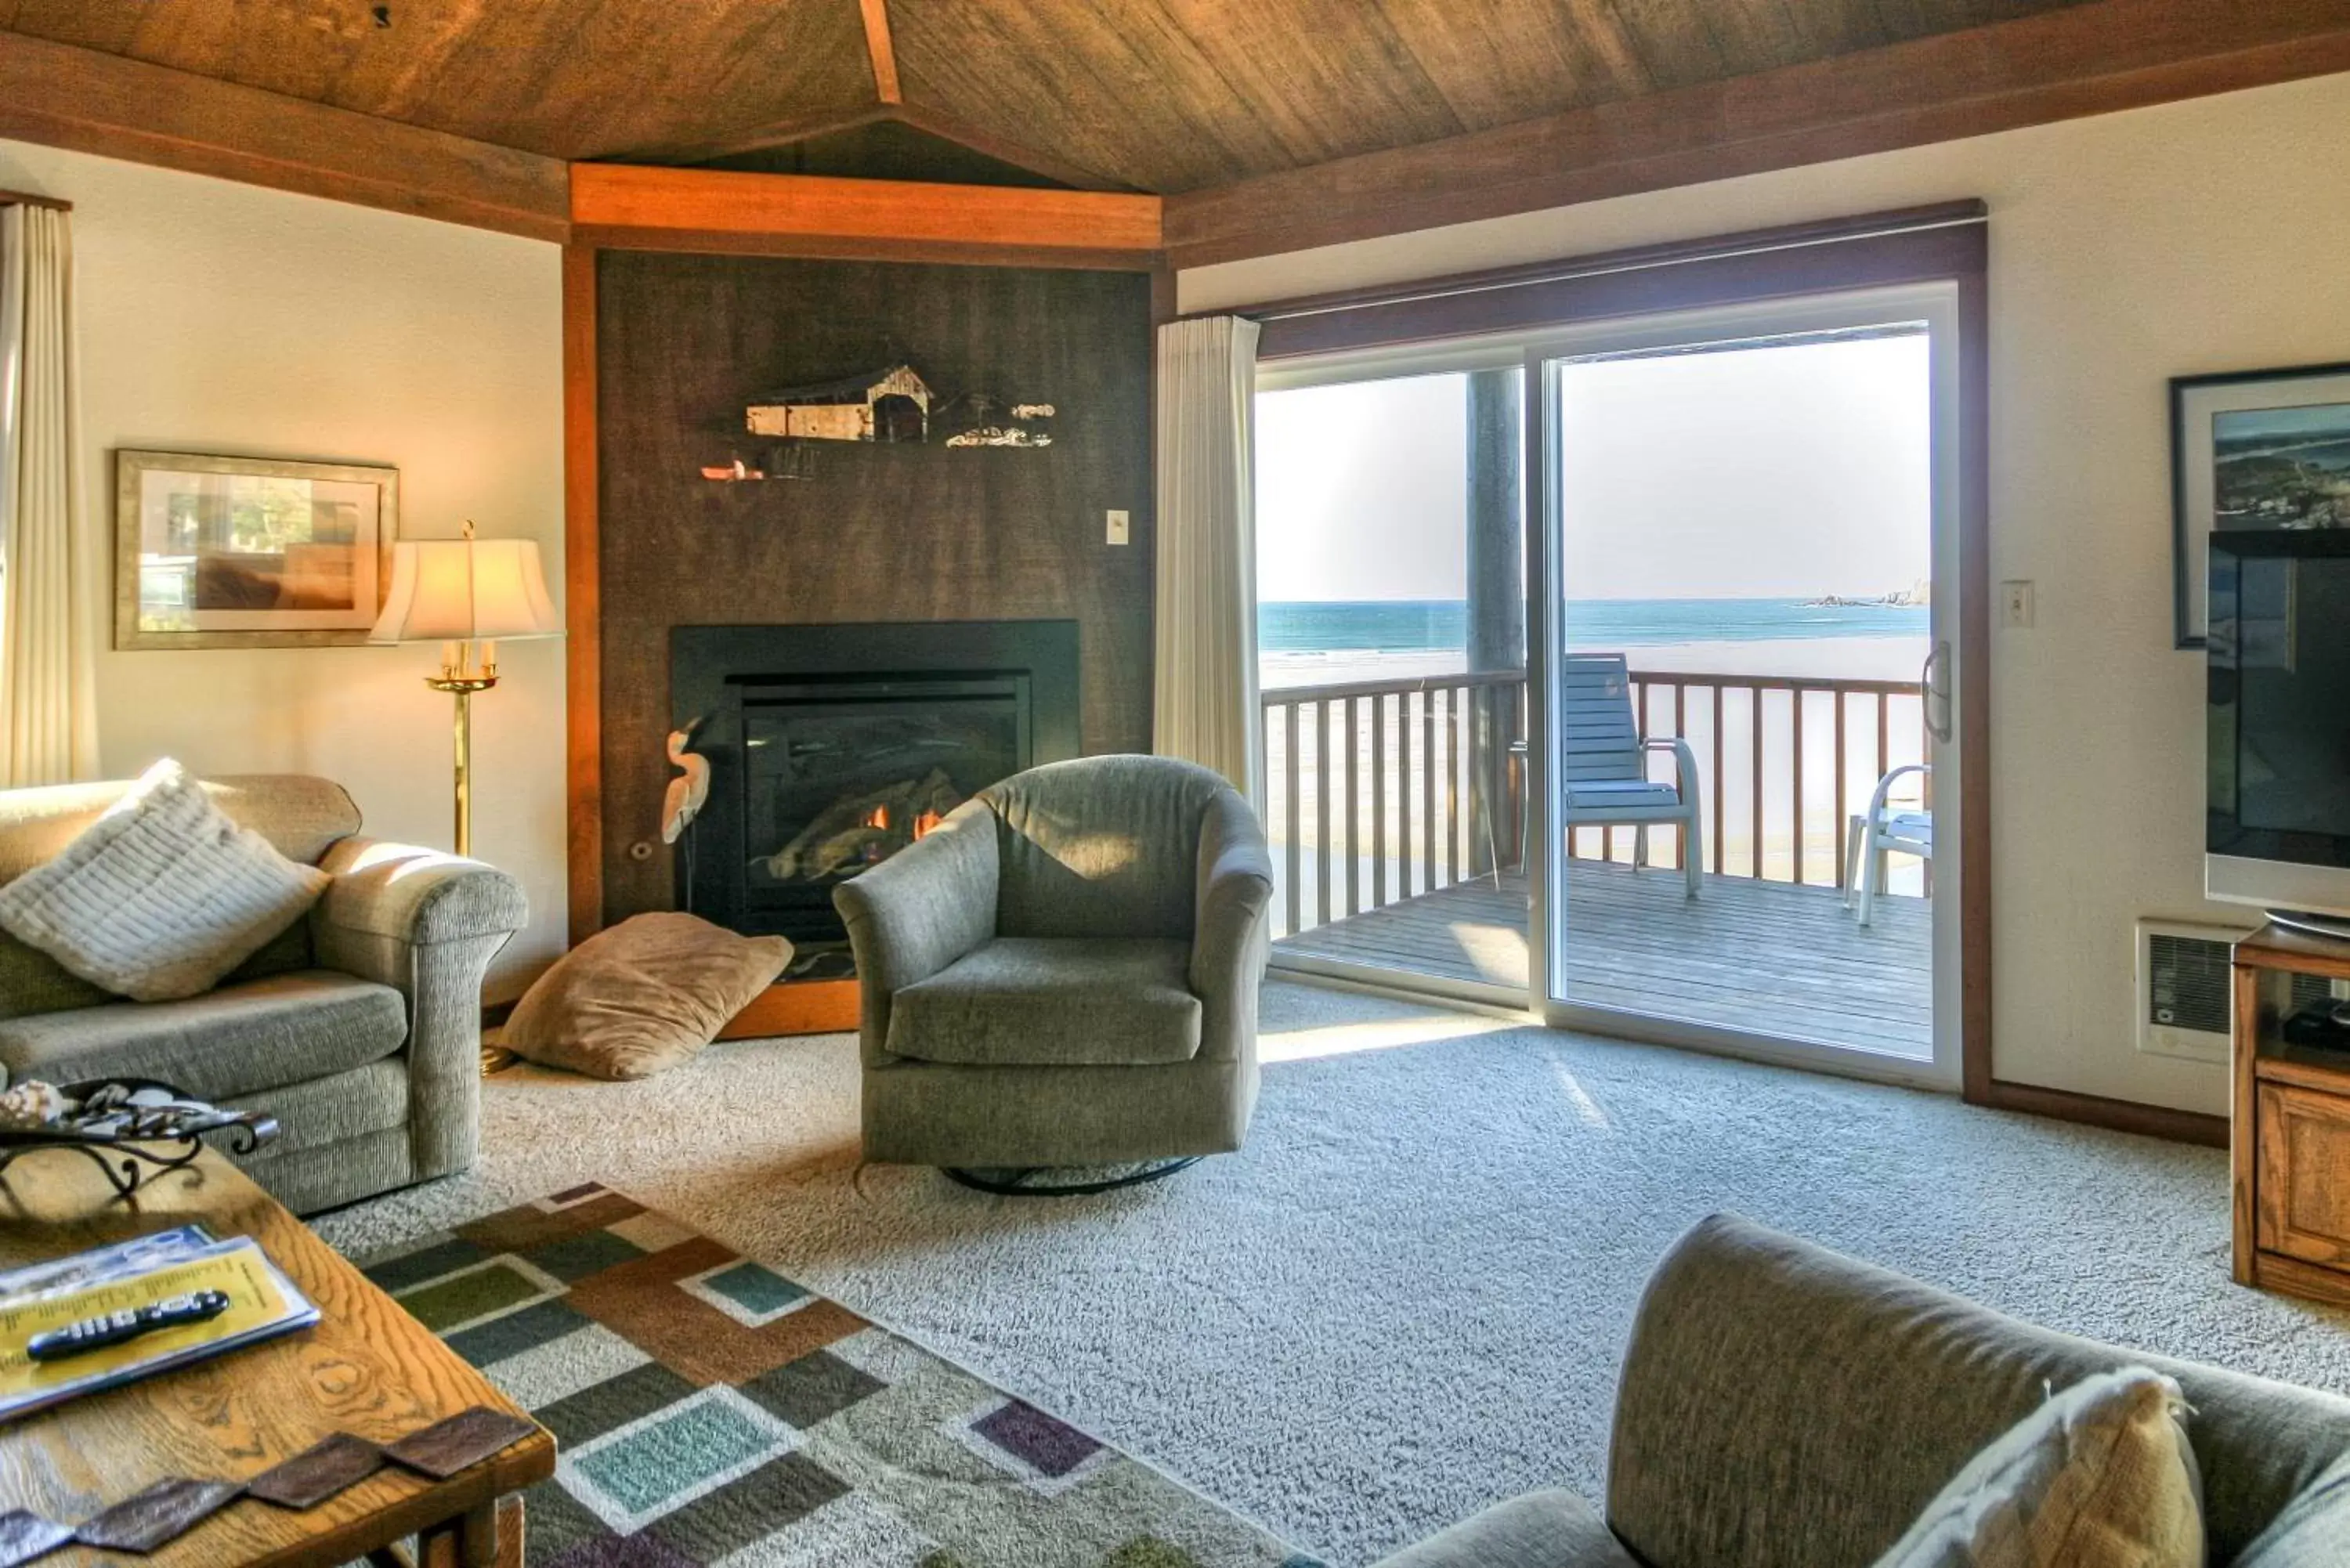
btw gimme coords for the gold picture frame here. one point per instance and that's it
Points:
(246, 552)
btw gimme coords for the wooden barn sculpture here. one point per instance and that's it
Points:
(890, 405)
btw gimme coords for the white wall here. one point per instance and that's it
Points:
(2200, 236)
(220, 317)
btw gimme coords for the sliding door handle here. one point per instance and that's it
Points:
(1934, 693)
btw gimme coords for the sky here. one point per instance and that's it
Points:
(1787, 472)
(2322, 419)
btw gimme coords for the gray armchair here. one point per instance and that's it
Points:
(358, 1029)
(1064, 971)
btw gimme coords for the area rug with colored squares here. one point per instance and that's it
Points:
(710, 1413)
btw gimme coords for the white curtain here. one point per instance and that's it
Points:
(1206, 705)
(48, 717)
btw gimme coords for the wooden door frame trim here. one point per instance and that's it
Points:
(1948, 243)
(1753, 264)
(2051, 66)
(582, 602)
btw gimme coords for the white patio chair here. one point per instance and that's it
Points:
(1605, 758)
(1883, 831)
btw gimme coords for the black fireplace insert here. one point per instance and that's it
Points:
(833, 747)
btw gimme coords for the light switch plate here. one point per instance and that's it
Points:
(2015, 602)
(1118, 527)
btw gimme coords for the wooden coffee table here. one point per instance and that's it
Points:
(367, 1368)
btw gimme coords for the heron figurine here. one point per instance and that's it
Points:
(683, 800)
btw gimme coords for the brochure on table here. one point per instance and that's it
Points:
(263, 1304)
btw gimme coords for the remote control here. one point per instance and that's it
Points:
(98, 1332)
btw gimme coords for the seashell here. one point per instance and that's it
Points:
(30, 1106)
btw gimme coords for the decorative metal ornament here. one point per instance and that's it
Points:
(131, 1129)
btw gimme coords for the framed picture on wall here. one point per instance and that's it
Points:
(2252, 450)
(241, 552)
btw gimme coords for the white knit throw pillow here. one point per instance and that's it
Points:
(161, 895)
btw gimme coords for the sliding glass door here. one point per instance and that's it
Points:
(1391, 627)
(1742, 610)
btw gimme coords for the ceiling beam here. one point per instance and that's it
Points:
(87, 101)
(2081, 60)
(883, 52)
(628, 206)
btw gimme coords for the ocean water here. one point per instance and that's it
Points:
(1428, 626)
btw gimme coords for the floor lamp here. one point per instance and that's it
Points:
(468, 595)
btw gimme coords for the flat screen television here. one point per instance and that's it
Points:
(2277, 827)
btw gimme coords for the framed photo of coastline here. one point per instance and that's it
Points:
(241, 552)
(2252, 450)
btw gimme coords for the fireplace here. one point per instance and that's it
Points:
(833, 747)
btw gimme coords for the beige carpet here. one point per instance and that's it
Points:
(1407, 1297)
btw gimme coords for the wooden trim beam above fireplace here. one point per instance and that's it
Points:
(632, 207)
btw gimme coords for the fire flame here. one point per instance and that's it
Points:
(925, 822)
(879, 818)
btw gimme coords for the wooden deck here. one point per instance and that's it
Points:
(1766, 958)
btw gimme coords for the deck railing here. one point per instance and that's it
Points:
(1379, 790)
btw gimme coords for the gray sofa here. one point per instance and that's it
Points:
(1782, 1406)
(358, 1029)
(1065, 972)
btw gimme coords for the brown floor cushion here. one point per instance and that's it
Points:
(644, 995)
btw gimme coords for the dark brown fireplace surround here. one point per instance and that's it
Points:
(918, 546)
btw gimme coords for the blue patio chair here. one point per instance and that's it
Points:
(1605, 777)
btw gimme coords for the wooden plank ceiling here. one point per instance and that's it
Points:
(1149, 95)
(1267, 125)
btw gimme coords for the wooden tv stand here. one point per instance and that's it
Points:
(2290, 1142)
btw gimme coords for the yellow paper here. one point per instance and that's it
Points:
(244, 1276)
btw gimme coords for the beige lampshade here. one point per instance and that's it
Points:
(457, 589)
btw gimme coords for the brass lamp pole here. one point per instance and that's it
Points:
(461, 681)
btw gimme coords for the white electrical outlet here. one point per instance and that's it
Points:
(2015, 606)
(1118, 527)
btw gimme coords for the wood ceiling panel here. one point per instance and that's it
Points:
(1526, 58)
(1174, 95)
(1773, 31)
(884, 148)
(570, 78)
(1171, 94)
(1684, 44)
(1167, 96)
(2072, 60)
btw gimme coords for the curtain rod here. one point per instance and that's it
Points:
(1650, 258)
(28, 198)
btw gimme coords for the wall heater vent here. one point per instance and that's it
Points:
(2184, 989)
